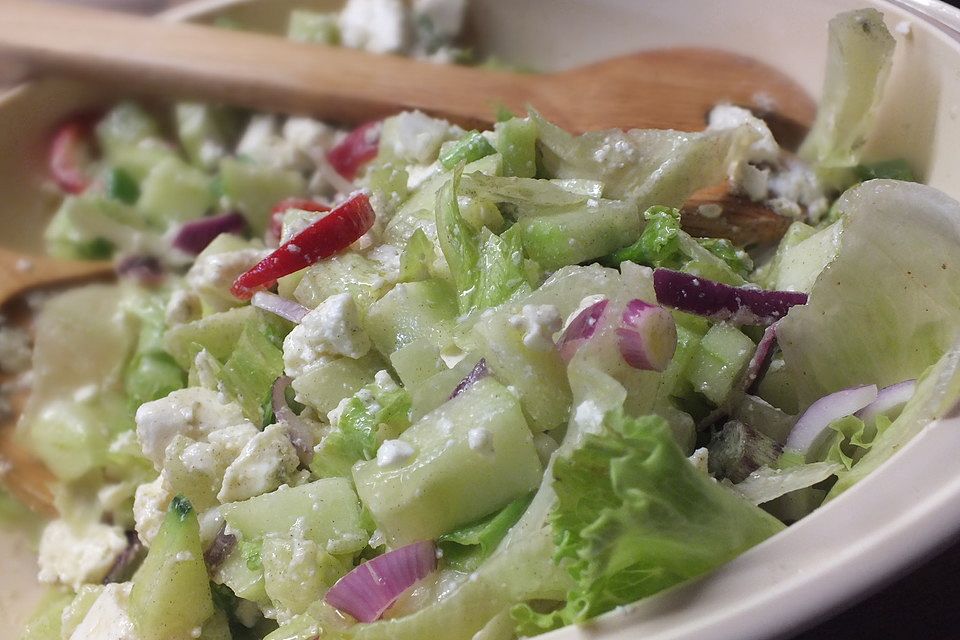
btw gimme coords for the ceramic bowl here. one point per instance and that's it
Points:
(904, 512)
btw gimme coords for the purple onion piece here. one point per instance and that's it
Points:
(369, 590)
(809, 430)
(580, 329)
(287, 309)
(300, 433)
(145, 270)
(647, 336)
(220, 548)
(888, 399)
(479, 371)
(122, 568)
(721, 302)
(761, 359)
(194, 236)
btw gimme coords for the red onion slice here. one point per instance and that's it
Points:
(220, 548)
(888, 399)
(357, 149)
(369, 590)
(479, 371)
(580, 329)
(718, 301)
(122, 569)
(761, 359)
(287, 309)
(812, 425)
(300, 433)
(194, 236)
(647, 336)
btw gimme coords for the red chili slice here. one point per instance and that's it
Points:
(332, 233)
(356, 150)
(69, 152)
(276, 214)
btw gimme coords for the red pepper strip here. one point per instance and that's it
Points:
(68, 154)
(276, 214)
(335, 231)
(357, 149)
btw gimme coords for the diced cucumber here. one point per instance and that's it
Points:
(92, 226)
(417, 361)
(325, 385)
(347, 272)
(297, 572)
(140, 158)
(256, 362)
(429, 394)
(448, 484)
(688, 343)
(254, 189)
(174, 191)
(78, 608)
(329, 509)
(312, 26)
(125, 125)
(217, 333)
(152, 375)
(517, 143)
(121, 186)
(171, 591)
(723, 355)
(801, 264)
(767, 274)
(580, 234)
(411, 311)
(297, 628)
(244, 581)
(217, 627)
(205, 132)
(47, 619)
(538, 377)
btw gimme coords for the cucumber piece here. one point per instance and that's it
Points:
(78, 608)
(174, 191)
(417, 361)
(217, 333)
(140, 158)
(46, 622)
(312, 26)
(298, 572)
(723, 355)
(431, 393)
(297, 628)
(171, 590)
(471, 147)
(346, 272)
(256, 362)
(245, 581)
(217, 627)
(448, 484)
(539, 377)
(255, 189)
(411, 311)
(152, 375)
(517, 143)
(91, 226)
(581, 233)
(688, 343)
(328, 507)
(205, 132)
(325, 385)
(125, 125)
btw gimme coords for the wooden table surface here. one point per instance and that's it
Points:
(924, 604)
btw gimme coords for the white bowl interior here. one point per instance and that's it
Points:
(817, 566)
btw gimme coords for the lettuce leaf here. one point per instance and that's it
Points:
(647, 166)
(937, 397)
(888, 305)
(635, 517)
(859, 54)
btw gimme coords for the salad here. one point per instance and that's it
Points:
(411, 381)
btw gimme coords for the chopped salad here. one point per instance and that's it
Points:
(410, 381)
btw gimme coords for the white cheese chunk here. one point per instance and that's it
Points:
(332, 329)
(267, 461)
(78, 556)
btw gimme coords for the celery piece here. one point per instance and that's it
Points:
(469, 148)
(517, 143)
(250, 371)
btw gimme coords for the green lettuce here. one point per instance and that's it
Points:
(887, 306)
(635, 517)
(859, 54)
(465, 548)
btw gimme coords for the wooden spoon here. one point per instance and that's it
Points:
(672, 88)
(26, 477)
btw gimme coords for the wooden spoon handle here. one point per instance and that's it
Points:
(19, 273)
(245, 69)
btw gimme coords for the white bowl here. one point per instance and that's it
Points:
(904, 512)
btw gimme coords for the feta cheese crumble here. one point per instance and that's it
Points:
(78, 556)
(394, 453)
(267, 461)
(480, 440)
(107, 618)
(539, 322)
(332, 329)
